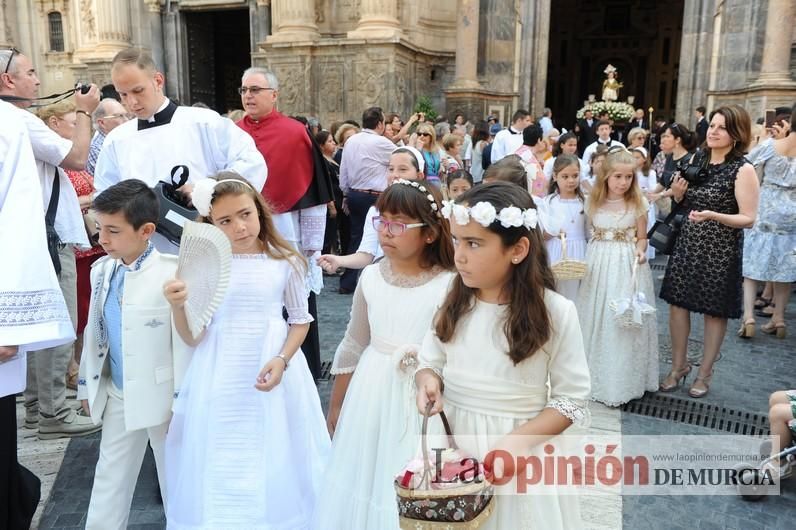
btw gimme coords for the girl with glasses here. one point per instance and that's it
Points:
(371, 413)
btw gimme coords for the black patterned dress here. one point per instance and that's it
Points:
(704, 274)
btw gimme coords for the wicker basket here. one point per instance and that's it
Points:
(625, 308)
(464, 507)
(568, 269)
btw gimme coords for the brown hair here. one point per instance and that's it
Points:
(599, 192)
(450, 140)
(527, 326)
(739, 127)
(508, 169)
(405, 199)
(135, 56)
(645, 167)
(274, 245)
(564, 161)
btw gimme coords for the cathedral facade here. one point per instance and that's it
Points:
(336, 57)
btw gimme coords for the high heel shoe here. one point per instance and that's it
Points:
(679, 379)
(747, 330)
(779, 329)
(697, 393)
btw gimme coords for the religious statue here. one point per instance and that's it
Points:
(611, 86)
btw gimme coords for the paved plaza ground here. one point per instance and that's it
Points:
(747, 373)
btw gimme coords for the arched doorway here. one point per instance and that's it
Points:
(640, 38)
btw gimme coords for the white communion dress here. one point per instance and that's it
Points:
(623, 361)
(376, 434)
(486, 397)
(237, 457)
(564, 215)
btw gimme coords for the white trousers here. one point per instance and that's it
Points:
(120, 458)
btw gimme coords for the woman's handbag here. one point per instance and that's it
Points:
(53, 240)
(464, 506)
(663, 234)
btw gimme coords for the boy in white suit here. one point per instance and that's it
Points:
(132, 357)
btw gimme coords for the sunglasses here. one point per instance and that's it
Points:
(10, 58)
(380, 224)
(253, 89)
(424, 134)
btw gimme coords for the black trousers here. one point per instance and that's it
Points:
(311, 347)
(358, 204)
(20, 490)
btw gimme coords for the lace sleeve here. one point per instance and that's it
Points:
(312, 222)
(570, 384)
(357, 336)
(296, 295)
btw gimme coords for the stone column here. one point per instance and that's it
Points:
(378, 20)
(294, 21)
(775, 66)
(113, 24)
(155, 23)
(259, 21)
(5, 27)
(467, 45)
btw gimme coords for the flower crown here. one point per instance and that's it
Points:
(203, 191)
(485, 214)
(422, 189)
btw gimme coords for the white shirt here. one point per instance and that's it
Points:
(506, 142)
(50, 150)
(546, 124)
(370, 238)
(366, 158)
(32, 293)
(589, 151)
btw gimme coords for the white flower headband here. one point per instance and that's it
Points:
(485, 214)
(203, 190)
(422, 189)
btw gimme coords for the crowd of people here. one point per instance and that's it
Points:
(440, 231)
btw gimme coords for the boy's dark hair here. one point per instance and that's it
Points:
(372, 117)
(701, 110)
(531, 135)
(133, 198)
(603, 122)
(461, 174)
(508, 169)
(520, 114)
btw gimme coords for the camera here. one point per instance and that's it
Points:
(694, 174)
(83, 87)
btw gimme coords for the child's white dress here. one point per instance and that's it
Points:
(623, 362)
(237, 457)
(565, 215)
(648, 183)
(376, 433)
(486, 397)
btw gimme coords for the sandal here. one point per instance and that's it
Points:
(780, 329)
(762, 302)
(766, 311)
(747, 330)
(696, 392)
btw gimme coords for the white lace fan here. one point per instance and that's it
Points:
(204, 265)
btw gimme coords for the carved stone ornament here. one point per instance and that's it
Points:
(87, 17)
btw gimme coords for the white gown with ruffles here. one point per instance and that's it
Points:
(376, 433)
(486, 397)
(564, 215)
(237, 457)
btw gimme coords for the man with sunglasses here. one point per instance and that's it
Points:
(45, 395)
(165, 136)
(108, 115)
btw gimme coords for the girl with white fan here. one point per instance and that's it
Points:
(248, 439)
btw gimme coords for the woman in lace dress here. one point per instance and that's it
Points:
(623, 361)
(247, 444)
(501, 335)
(371, 413)
(704, 271)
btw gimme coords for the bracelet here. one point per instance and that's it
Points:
(80, 111)
(284, 358)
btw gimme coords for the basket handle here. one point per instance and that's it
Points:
(563, 236)
(634, 278)
(424, 438)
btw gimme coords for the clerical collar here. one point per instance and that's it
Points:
(512, 130)
(161, 117)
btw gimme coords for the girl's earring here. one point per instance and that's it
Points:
(429, 240)
(516, 260)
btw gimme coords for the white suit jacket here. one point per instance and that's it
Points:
(154, 356)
